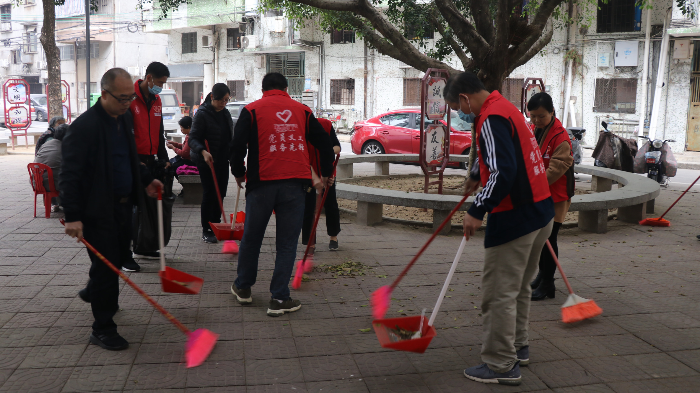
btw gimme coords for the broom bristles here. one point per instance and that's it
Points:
(380, 300)
(297, 276)
(577, 309)
(308, 266)
(655, 222)
(230, 247)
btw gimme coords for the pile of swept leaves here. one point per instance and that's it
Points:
(349, 268)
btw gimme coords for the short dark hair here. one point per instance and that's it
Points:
(54, 120)
(274, 81)
(185, 122)
(462, 83)
(541, 100)
(108, 78)
(61, 131)
(158, 70)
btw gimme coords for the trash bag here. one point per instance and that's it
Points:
(145, 218)
(640, 163)
(670, 163)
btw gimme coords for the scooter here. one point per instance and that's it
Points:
(655, 168)
(615, 145)
(576, 136)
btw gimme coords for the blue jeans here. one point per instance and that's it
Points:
(287, 199)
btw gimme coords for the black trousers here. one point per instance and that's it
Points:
(114, 243)
(332, 215)
(211, 212)
(547, 264)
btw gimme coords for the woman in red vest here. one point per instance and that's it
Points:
(555, 146)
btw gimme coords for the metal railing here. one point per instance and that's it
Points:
(623, 128)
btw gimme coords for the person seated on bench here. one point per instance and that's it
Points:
(53, 124)
(50, 154)
(181, 149)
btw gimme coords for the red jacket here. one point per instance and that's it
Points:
(281, 124)
(148, 125)
(182, 149)
(531, 184)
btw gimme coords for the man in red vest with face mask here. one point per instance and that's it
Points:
(274, 132)
(516, 197)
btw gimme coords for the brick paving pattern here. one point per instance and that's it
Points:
(645, 279)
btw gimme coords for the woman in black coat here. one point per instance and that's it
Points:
(212, 123)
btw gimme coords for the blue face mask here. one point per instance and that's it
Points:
(468, 117)
(155, 89)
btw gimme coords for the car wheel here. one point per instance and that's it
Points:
(464, 165)
(372, 147)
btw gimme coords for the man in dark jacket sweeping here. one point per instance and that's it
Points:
(100, 177)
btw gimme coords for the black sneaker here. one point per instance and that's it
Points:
(524, 355)
(275, 309)
(333, 245)
(111, 341)
(484, 374)
(208, 236)
(131, 266)
(147, 255)
(243, 295)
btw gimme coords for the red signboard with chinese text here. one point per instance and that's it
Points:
(434, 151)
(17, 108)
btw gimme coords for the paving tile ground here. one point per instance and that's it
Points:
(645, 279)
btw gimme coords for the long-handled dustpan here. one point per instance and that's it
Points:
(386, 328)
(305, 265)
(660, 221)
(199, 344)
(237, 224)
(173, 280)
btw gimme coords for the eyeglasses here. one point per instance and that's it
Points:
(123, 100)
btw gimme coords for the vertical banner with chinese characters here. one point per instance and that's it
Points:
(65, 100)
(17, 108)
(434, 123)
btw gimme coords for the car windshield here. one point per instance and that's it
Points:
(457, 123)
(396, 120)
(233, 109)
(168, 99)
(41, 101)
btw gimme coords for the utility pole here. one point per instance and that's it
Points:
(87, 52)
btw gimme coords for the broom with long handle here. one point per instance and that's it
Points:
(216, 185)
(199, 343)
(304, 265)
(230, 246)
(381, 298)
(575, 308)
(660, 222)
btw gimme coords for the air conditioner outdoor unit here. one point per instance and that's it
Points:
(40, 65)
(207, 41)
(27, 59)
(278, 25)
(248, 42)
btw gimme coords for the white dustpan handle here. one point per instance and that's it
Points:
(235, 211)
(161, 240)
(447, 282)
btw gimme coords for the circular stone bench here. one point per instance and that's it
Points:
(634, 199)
(192, 188)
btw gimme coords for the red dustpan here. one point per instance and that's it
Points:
(237, 224)
(199, 344)
(386, 328)
(173, 280)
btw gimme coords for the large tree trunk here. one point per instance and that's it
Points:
(53, 59)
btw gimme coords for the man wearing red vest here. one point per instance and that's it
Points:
(331, 205)
(516, 196)
(149, 132)
(274, 132)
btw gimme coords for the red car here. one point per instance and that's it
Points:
(398, 132)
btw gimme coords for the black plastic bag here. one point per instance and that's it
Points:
(145, 218)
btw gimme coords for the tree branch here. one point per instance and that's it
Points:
(464, 30)
(502, 20)
(538, 46)
(537, 27)
(482, 18)
(467, 63)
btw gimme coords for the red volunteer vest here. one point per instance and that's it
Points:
(525, 143)
(313, 153)
(556, 135)
(146, 123)
(281, 123)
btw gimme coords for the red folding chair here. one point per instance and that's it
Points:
(36, 179)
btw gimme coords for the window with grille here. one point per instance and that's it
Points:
(237, 90)
(342, 92)
(411, 92)
(16, 57)
(615, 95)
(6, 11)
(342, 36)
(512, 90)
(292, 66)
(29, 42)
(94, 50)
(189, 42)
(233, 39)
(618, 16)
(67, 52)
